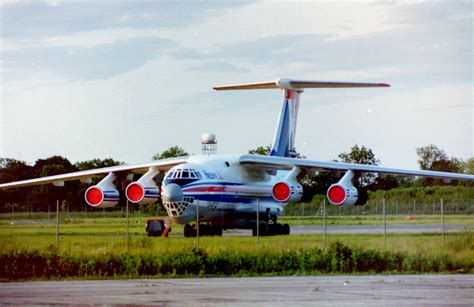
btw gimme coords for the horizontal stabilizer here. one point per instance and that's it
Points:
(296, 85)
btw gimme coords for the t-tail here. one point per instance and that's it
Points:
(284, 140)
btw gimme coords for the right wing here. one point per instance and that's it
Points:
(162, 165)
(284, 163)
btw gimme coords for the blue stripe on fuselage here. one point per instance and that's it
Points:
(225, 198)
(212, 183)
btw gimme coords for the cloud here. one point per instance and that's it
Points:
(38, 20)
(94, 62)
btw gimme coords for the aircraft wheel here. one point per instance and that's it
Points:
(205, 230)
(279, 229)
(264, 230)
(218, 231)
(189, 231)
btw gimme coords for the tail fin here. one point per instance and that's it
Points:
(284, 141)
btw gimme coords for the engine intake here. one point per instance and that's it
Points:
(287, 191)
(145, 190)
(344, 193)
(104, 194)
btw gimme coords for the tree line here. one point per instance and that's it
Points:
(72, 194)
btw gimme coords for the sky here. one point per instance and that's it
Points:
(129, 79)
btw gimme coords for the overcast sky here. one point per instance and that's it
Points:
(127, 79)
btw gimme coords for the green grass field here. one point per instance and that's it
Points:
(86, 241)
(105, 234)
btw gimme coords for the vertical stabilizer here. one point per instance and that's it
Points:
(284, 140)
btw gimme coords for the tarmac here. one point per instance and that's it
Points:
(378, 290)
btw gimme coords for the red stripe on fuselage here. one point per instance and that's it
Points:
(228, 189)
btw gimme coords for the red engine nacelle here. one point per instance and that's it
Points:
(104, 194)
(145, 190)
(97, 196)
(340, 194)
(137, 193)
(287, 191)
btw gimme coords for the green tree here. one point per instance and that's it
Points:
(43, 195)
(361, 155)
(430, 154)
(96, 163)
(261, 150)
(435, 159)
(171, 152)
(470, 166)
(13, 170)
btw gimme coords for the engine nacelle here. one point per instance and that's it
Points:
(145, 190)
(340, 194)
(138, 193)
(287, 191)
(104, 194)
(344, 193)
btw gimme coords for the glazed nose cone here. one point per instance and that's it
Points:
(172, 193)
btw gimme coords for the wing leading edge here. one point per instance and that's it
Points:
(163, 165)
(288, 163)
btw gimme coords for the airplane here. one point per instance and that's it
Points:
(234, 191)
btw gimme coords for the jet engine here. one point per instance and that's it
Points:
(288, 190)
(104, 194)
(344, 193)
(341, 194)
(145, 190)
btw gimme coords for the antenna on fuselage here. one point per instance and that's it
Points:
(208, 144)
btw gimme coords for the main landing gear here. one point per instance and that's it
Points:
(270, 227)
(266, 229)
(204, 230)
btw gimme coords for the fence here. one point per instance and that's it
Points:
(375, 208)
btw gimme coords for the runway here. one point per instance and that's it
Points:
(281, 291)
(365, 229)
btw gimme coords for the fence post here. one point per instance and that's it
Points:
(128, 236)
(442, 220)
(197, 223)
(57, 223)
(258, 222)
(384, 223)
(324, 221)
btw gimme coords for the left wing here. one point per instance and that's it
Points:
(58, 180)
(271, 162)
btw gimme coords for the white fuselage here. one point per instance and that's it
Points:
(222, 191)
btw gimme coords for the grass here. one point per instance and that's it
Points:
(239, 257)
(88, 239)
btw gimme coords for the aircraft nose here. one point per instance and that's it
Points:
(172, 193)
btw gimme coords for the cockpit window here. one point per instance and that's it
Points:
(182, 176)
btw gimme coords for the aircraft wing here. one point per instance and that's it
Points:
(272, 162)
(162, 165)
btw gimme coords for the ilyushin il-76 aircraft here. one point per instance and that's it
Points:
(226, 191)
